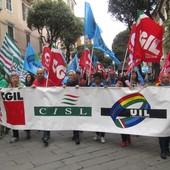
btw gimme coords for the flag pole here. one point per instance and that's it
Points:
(124, 62)
(91, 58)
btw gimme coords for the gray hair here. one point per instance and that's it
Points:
(14, 74)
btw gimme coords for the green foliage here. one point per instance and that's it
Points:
(126, 10)
(56, 18)
(166, 41)
(120, 44)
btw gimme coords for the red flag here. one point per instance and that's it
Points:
(131, 62)
(85, 61)
(165, 68)
(100, 68)
(46, 58)
(57, 70)
(148, 40)
(131, 41)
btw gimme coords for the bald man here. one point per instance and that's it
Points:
(164, 141)
(41, 81)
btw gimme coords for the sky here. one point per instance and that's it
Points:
(106, 22)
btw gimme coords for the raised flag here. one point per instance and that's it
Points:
(31, 60)
(89, 22)
(46, 58)
(11, 58)
(148, 40)
(74, 64)
(57, 71)
(165, 68)
(99, 44)
(100, 68)
(85, 61)
(131, 62)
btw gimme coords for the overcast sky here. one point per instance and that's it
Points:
(109, 26)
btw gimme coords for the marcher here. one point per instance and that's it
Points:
(15, 83)
(164, 141)
(73, 82)
(3, 84)
(125, 137)
(41, 81)
(98, 83)
(28, 82)
(133, 80)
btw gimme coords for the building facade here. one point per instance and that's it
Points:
(13, 17)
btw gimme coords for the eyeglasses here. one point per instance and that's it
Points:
(39, 73)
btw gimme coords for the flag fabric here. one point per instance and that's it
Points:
(100, 68)
(46, 58)
(31, 60)
(89, 22)
(139, 75)
(74, 64)
(95, 60)
(85, 61)
(165, 67)
(99, 44)
(11, 58)
(131, 62)
(57, 71)
(148, 40)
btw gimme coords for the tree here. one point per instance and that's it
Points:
(70, 36)
(120, 44)
(126, 10)
(52, 19)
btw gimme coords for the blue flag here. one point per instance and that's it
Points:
(139, 75)
(89, 22)
(99, 44)
(95, 60)
(31, 60)
(74, 65)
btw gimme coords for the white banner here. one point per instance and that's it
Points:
(114, 110)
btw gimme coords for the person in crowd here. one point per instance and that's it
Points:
(73, 82)
(3, 84)
(111, 79)
(125, 137)
(41, 81)
(164, 141)
(98, 83)
(133, 80)
(28, 82)
(15, 83)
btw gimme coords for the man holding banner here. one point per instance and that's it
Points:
(41, 81)
(164, 141)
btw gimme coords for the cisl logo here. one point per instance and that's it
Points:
(69, 110)
(14, 106)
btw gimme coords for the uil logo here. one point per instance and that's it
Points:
(135, 116)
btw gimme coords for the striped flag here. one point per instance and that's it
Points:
(11, 58)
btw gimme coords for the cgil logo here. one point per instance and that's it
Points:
(11, 96)
(14, 106)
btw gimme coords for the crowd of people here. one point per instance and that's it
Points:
(75, 79)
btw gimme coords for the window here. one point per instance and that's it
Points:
(11, 31)
(27, 38)
(9, 5)
(24, 11)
